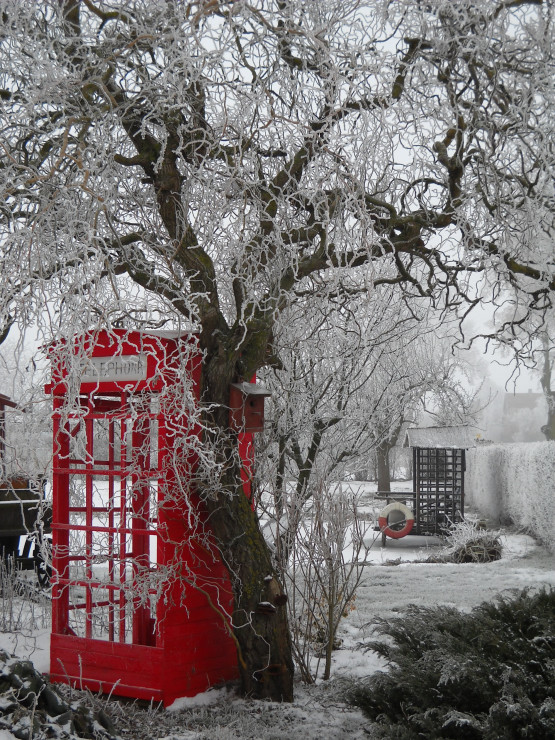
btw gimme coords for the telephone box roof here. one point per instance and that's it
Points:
(460, 437)
(121, 360)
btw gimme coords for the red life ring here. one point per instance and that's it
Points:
(401, 525)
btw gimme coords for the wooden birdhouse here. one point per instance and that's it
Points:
(246, 407)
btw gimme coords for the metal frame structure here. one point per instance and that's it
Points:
(438, 467)
(438, 476)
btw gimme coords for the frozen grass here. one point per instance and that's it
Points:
(318, 713)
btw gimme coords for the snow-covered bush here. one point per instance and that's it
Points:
(514, 483)
(468, 543)
(32, 709)
(484, 675)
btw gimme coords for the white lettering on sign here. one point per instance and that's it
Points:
(124, 367)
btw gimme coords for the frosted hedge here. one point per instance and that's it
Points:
(514, 483)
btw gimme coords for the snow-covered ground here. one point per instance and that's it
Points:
(394, 577)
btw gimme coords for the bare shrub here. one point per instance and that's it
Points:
(327, 562)
(23, 607)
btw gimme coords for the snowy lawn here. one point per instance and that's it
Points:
(394, 577)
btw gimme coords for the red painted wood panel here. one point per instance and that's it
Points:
(193, 648)
(80, 659)
(140, 671)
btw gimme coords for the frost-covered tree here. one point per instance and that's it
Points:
(210, 163)
(345, 372)
(456, 397)
(547, 385)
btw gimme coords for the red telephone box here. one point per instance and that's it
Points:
(140, 608)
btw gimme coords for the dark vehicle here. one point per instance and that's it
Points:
(25, 523)
(25, 515)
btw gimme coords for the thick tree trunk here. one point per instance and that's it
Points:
(549, 428)
(260, 614)
(382, 456)
(384, 476)
(260, 622)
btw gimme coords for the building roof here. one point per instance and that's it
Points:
(514, 402)
(461, 437)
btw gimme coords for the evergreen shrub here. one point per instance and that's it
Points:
(489, 674)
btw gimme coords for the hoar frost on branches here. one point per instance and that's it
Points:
(213, 164)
